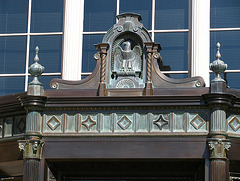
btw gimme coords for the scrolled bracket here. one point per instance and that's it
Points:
(32, 149)
(218, 148)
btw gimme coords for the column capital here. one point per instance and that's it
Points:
(32, 149)
(218, 148)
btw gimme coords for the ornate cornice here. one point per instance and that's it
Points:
(219, 98)
(32, 102)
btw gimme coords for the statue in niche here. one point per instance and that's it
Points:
(127, 62)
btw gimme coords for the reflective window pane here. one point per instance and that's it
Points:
(171, 14)
(142, 7)
(233, 80)
(47, 16)
(88, 62)
(50, 52)
(225, 13)
(178, 76)
(10, 85)
(13, 16)
(174, 49)
(12, 54)
(99, 15)
(230, 47)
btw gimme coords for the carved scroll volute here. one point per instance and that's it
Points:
(218, 148)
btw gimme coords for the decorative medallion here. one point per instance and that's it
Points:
(197, 122)
(160, 122)
(88, 123)
(21, 125)
(234, 123)
(124, 122)
(53, 123)
(125, 83)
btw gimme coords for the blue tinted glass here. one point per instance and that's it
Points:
(233, 80)
(50, 51)
(230, 47)
(174, 49)
(10, 85)
(88, 62)
(178, 76)
(99, 15)
(225, 13)
(171, 14)
(12, 54)
(142, 7)
(13, 16)
(47, 16)
(45, 80)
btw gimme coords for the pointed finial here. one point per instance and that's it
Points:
(218, 54)
(36, 58)
(36, 69)
(218, 66)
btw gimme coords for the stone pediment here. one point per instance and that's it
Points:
(127, 62)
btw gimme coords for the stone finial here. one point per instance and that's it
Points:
(218, 66)
(36, 69)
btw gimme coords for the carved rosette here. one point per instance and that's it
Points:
(218, 148)
(32, 149)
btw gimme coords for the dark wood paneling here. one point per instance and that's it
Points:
(9, 151)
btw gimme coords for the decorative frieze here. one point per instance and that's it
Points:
(218, 148)
(233, 124)
(125, 123)
(32, 149)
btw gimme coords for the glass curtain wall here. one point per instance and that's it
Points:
(25, 24)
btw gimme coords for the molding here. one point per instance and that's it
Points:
(32, 102)
(219, 98)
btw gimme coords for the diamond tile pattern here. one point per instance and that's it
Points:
(234, 123)
(197, 122)
(53, 123)
(124, 122)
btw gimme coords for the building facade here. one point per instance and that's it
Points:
(129, 119)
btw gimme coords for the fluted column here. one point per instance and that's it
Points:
(219, 102)
(33, 103)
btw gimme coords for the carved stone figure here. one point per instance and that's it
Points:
(127, 62)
